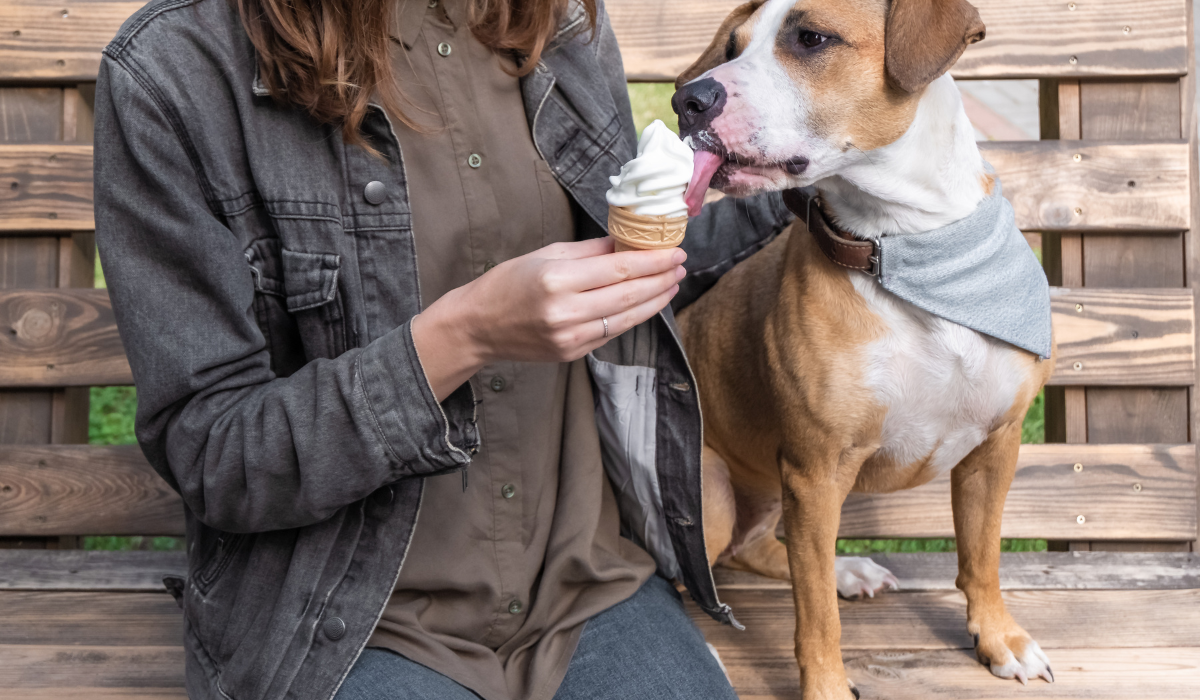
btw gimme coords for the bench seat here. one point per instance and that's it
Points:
(1116, 625)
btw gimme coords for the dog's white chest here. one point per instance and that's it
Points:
(945, 387)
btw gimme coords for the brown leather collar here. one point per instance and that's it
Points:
(840, 247)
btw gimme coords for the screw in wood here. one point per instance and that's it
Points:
(1078, 366)
(1079, 308)
(1078, 467)
(1080, 519)
(1071, 6)
(1078, 157)
(1073, 60)
(1137, 488)
(65, 13)
(1128, 29)
(1078, 211)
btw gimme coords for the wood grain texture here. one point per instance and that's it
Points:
(1124, 337)
(1143, 109)
(1120, 416)
(46, 188)
(1131, 262)
(84, 489)
(90, 619)
(76, 570)
(63, 337)
(1124, 492)
(1129, 186)
(1082, 674)
(659, 38)
(158, 669)
(935, 571)
(30, 115)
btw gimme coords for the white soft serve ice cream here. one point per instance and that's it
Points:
(653, 183)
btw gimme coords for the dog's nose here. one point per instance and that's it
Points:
(698, 103)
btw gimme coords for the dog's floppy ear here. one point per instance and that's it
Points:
(925, 37)
(714, 55)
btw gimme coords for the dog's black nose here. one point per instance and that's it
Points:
(698, 103)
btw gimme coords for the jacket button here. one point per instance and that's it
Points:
(383, 496)
(497, 383)
(375, 192)
(334, 628)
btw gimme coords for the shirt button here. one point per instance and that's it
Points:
(375, 192)
(508, 491)
(334, 628)
(444, 49)
(475, 160)
(487, 266)
(514, 608)
(433, 3)
(497, 383)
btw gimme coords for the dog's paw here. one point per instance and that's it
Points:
(859, 577)
(1013, 655)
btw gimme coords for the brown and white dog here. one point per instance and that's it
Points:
(814, 380)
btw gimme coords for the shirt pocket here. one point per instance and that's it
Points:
(298, 304)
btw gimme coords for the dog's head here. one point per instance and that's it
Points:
(789, 90)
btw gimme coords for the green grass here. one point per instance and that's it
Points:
(111, 419)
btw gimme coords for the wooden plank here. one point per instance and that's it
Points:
(77, 570)
(90, 619)
(1122, 416)
(1143, 110)
(29, 115)
(935, 571)
(146, 670)
(1093, 186)
(46, 188)
(1025, 38)
(65, 337)
(1129, 262)
(938, 619)
(1082, 674)
(1124, 337)
(1123, 492)
(84, 489)
(1141, 187)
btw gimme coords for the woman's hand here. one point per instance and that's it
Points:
(546, 306)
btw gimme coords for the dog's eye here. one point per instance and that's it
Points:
(811, 40)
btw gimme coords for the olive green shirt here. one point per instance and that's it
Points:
(500, 576)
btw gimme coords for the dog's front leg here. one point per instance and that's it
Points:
(813, 490)
(979, 485)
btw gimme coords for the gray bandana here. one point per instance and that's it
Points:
(978, 272)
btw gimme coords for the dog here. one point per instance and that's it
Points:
(815, 381)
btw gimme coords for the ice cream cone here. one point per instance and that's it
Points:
(633, 231)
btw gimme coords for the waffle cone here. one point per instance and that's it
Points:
(633, 231)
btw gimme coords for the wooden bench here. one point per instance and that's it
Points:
(1110, 189)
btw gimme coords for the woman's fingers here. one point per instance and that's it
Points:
(620, 322)
(575, 250)
(604, 270)
(617, 298)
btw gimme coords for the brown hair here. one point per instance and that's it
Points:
(330, 57)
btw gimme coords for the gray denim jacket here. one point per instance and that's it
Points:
(265, 304)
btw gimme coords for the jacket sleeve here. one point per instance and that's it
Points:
(727, 231)
(248, 451)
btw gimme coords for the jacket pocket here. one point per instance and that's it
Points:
(225, 548)
(304, 288)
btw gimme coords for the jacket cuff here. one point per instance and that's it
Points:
(425, 436)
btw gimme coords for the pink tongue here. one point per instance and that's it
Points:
(704, 167)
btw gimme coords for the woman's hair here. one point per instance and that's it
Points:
(331, 57)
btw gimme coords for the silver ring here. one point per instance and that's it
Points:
(605, 320)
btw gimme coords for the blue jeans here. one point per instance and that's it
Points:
(645, 648)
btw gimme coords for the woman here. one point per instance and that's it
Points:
(381, 503)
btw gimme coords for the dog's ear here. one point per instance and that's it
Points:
(925, 37)
(714, 55)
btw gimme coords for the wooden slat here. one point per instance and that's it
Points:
(77, 570)
(1025, 38)
(82, 489)
(659, 38)
(1085, 673)
(62, 337)
(929, 571)
(77, 671)
(1126, 186)
(1125, 337)
(1050, 190)
(90, 619)
(1048, 496)
(46, 187)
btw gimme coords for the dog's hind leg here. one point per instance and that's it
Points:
(979, 485)
(719, 506)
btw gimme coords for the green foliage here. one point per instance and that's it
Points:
(652, 101)
(126, 544)
(110, 420)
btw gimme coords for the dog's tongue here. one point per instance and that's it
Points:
(704, 166)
